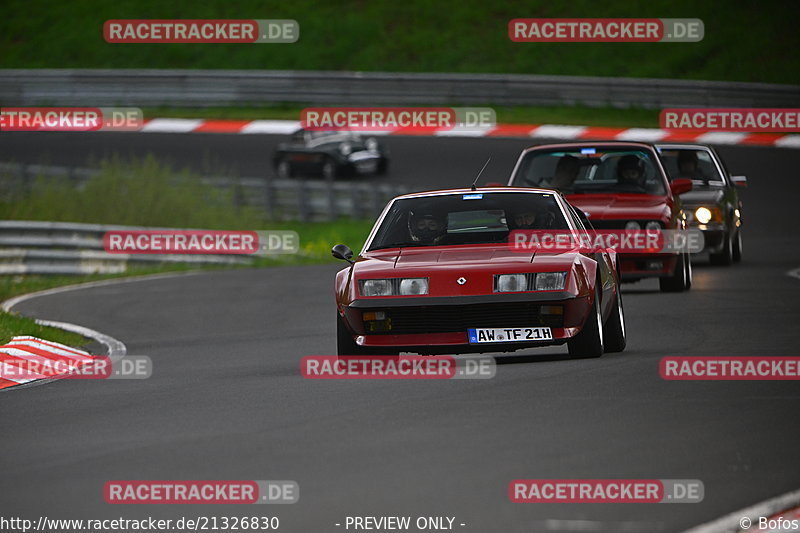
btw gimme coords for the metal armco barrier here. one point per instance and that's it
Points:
(35, 247)
(280, 199)
(204, 88)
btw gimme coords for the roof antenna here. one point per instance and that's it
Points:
(479, 173)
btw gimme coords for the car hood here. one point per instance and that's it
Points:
(702, 196)
(443, 266)
(634, 206)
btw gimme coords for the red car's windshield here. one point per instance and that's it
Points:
(469, 218)
(590, 170)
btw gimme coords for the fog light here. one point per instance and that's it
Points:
(375, 315)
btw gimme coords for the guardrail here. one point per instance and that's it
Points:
(34, 247)
(204, 88)
(280, 199)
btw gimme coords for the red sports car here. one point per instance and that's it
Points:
(438, 275)
(619, 186)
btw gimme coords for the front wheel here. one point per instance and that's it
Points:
(614, 330)
(329, 170)
(588, 342)
(681, 279)
(725, 256)
(345, 345)
(285, 170)
(737, 247)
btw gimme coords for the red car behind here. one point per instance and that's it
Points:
(619, 186)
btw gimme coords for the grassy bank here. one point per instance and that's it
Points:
(147, 193)
(744, 41)
(12, 325)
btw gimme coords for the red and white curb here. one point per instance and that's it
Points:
(25, 347)
(541, 131)
(20, 352)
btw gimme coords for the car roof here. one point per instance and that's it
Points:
(478, 190)
(590, 144)
(683, 146)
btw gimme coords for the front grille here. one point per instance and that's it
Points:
(608, 224)
(449, 318)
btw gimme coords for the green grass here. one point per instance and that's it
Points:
(147, 193)
(577, 115)
(744, 41)
(12, 325)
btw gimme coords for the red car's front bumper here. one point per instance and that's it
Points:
(442, 326)
(636, 266)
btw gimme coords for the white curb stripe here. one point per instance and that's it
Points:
(721, 137)
(789, 141)
(642, 134)
(172, 125)
(462, 131)
(555, 131)
(271, 126)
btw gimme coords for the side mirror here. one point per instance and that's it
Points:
(739, 181)
(680, 186)
(342, 251)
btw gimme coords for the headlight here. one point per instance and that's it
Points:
(414, 286)
(550, 281)
(394, 286)
(377, 287)
(371, 144)
(653, 225)
(542, 281)
(345, 148)
(632, 225)
(512, 283)
(703, 215)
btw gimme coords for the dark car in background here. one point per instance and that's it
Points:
(618, 185)
(713, 205)
(330, 154)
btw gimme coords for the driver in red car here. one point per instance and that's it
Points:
(630, 174)
(427, 228)
(688, 165)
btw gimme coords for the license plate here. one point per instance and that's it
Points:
(489, 335)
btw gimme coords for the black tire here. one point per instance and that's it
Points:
(725, 256)
(284, 169)
(681, 279)
(589, 342)
(329, 169)
(614, 336)
(345, 345)
(383, 167)
(737, 247)
(688, 265)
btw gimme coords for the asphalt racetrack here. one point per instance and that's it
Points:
(227, 401)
